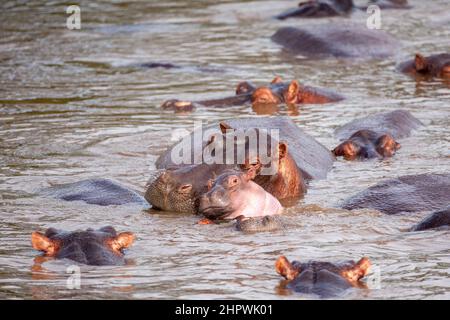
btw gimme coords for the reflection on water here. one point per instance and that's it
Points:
(76, 104)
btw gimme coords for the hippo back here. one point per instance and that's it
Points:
(398, 123)
(97, 191)
(338, 40)
(311, 157)
(413, 193)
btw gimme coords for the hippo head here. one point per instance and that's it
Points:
(277, 92)
(323, 278)
(351, 149)
(437, 65)
(178, 190)
(234, 195)
(178, 105)
(226, 194)
(93, 247)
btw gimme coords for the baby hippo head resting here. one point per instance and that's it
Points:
(233, 194)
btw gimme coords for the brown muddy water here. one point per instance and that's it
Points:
(74, 106)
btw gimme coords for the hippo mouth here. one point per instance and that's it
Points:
(215, 212)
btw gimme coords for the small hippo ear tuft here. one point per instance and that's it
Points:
(43, 243)
(282, 149)
(224, 127)
(420, 62)
(292, 92)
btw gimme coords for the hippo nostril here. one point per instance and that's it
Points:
(186, 188)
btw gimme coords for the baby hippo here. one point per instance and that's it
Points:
(437, 65)
(233, 195)
(367, 144)
(322, 278)
(92, 247)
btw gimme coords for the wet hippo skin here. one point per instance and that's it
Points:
(233, 194)
(412, 193)
(398, 123)
(437, 65)
(318, 9)
(324, 279)
(93, 247)
(277, 92)
(336, 40)
(96, 191)
(300, 157)
(438, 219)
(367, 144)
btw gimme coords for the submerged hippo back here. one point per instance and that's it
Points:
(338, 40)
(414, 193)
(97, 191)
(398, 123)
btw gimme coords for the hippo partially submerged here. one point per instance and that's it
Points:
(98, 191)
(319, 8)
(439, 219)
(336, 40)
(412, 193)
(275, 93)
(297, 157)
(93, 247)
(437, 65)
(233, 194)
(324, 279)
(398, 124)
(366, 144)
(333, 8)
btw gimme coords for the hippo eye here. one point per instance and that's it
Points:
(186, 187)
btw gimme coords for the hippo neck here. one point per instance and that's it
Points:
(286, 183)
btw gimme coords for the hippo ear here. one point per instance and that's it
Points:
(358, 271)
(397, 145)
(292, 92)
(42, 243)
(250, 174)
(282, 149)
(209, 184)
(224, 127)
(122, 240)
(285, 268)
(277, 79)
(420, 62)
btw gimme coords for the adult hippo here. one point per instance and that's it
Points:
(412, 193)
(275, 93)
(397, 124)
(318, 9)
(439, 219)
(324, 279)
(437, 65)
(336, 40)
(297, 156)
(93, 247)
(366, 144)
(96, 191)
(233, 194)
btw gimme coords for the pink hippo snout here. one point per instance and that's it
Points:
(233, 194)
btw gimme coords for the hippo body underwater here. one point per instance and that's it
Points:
(324, 279)
(98, 191)
(336, 40)
(92, 247)
(412, 193)
(275, 93)
(438, 219)
(300, 157)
